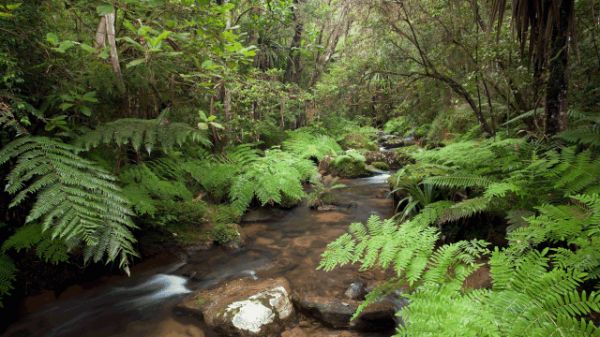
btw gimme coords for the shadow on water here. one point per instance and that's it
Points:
(289, 244)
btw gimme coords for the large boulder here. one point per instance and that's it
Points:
(245, 307)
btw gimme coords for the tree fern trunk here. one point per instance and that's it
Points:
(557, 86)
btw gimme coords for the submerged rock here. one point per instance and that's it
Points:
(245, 308)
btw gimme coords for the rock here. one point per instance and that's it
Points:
(319, 332)
(398, 141)
(230, 236)
(327, 208)
(324, 165)
(356, 290)
(336, 313)
(380, 158)
(380, 165)
(245, 308)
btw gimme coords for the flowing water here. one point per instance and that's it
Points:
(285, 244)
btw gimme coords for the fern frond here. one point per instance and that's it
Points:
(458, 181)
(149, 133)
(76, 200)
(7, 276)
(306, 145)
(464, 209)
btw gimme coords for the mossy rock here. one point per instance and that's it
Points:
(229, 235)
(381, 166)
(352, 164)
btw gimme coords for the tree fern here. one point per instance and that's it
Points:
(149, 133)
(32, 236)
(273, 179)
(76, 200)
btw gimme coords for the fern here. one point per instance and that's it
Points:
(543, 301)
(7, 276)
(576, 172)
(465, 209)
(149, 133)
(577, 225)
(458, 181)
(32, 236)
(275, 178)
(306, 145)
(76, 201)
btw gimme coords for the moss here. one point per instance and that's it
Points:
(404, 154)
(350, 165)
(381, 165)
(225, 233)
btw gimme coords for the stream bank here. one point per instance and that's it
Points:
(278, 245)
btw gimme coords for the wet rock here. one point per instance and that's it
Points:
(356, 291)
(263, 215)
(245, 308)
(320, 332)
(336, 313)
(380, 158)
(327, 208)
(199, 246)
(398, 141)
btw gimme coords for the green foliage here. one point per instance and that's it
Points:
(306, 145)
(584, 130)
(351, 164)
(76, 202)
(323, 193)
(380, 165)
(32, 236)
(575, 225)
(397, 126)
(7, 276)
(273, 179)
(149, 133)
(225, 233)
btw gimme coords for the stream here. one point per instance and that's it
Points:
(279, 244)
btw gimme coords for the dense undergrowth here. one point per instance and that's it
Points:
(127, 120)
(544, 279)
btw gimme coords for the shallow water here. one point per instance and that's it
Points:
(289, 245)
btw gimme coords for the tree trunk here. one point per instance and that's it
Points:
(558, 82)
(292, 71)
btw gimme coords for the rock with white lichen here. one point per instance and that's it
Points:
(245, 308)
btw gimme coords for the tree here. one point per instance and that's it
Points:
(547, 26)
